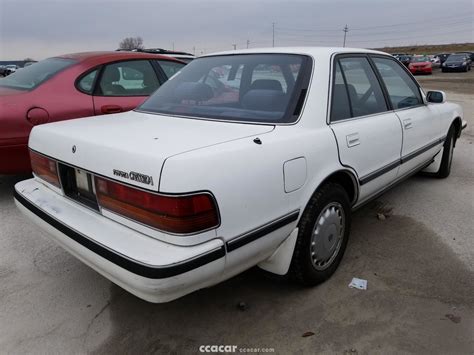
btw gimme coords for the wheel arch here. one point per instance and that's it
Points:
(347, 179)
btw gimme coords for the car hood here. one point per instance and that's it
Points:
(132, 142)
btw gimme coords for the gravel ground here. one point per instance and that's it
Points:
(419, 263)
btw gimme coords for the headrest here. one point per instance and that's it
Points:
(194, 91)
(111, 75)
(264, 100)
(266, 84)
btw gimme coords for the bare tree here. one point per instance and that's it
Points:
(28, 59)
(130, 43)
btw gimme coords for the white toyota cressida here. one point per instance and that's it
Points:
(243, 158)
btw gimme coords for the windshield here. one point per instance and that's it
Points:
(32, 76)
(244, 88)
(456, 58)
(420, 59)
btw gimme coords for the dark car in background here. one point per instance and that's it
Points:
(442, 56)
(457, 62)
(73, 86)
(469, 54)
(405, 59)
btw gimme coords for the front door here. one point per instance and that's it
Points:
(420, 122)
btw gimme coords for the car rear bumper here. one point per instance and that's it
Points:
(149, 268)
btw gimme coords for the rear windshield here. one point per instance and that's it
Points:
(32, 76)
(245, 88)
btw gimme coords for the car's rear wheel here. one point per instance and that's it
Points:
(447, 158)
(322, 236)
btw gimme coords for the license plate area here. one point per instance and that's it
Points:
(78, 185)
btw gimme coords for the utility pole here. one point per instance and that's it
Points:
(194, 50)
(173, 45)
(235, 46)
(248, 43)
(273, 32)
(346, 29)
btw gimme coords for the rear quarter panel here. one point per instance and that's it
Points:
(247, 179)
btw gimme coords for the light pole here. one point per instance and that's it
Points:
(346, 29)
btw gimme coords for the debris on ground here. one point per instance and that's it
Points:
(242, 306)
(307, 334)
(381, 217)
(453, 318)
(360, 284)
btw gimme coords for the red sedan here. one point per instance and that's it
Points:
(420, 65)
(73, 86)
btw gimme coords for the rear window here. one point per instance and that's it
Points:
(262, 88)
(34, 75)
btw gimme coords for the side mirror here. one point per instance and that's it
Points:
(436, 97)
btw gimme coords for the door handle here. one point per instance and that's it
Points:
(407, 124)
(352, 140)
(111, 109)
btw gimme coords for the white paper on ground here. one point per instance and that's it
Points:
(358, 283)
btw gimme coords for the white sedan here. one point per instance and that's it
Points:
(243, 158)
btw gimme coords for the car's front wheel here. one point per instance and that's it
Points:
(322, 236)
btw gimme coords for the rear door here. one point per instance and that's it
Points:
(122, 86)
(421, 122)
(368, 133)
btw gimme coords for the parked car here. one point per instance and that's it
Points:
(398, 55)
(11, 68)
(72, 86)
(420, 65)
(457, 62)
(469, 54)
(196, 185)
(3, 70)
(443, 56)
(27, 64)
(435, 62)
(405, 59)
(183, 56)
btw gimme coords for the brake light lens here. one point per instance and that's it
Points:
(45, 168)
(175, 214)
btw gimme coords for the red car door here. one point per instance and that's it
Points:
(122, 86)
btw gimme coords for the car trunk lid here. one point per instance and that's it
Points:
(132, 147)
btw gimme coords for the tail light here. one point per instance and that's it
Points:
(175, 214)
(45, 168)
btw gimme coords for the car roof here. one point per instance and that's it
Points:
(110, 56)
(311, 51)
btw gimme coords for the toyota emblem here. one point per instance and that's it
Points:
(73, 148)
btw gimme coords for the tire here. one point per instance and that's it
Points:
(331, 202)
(447, 158)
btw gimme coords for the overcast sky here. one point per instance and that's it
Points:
(40, 29)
